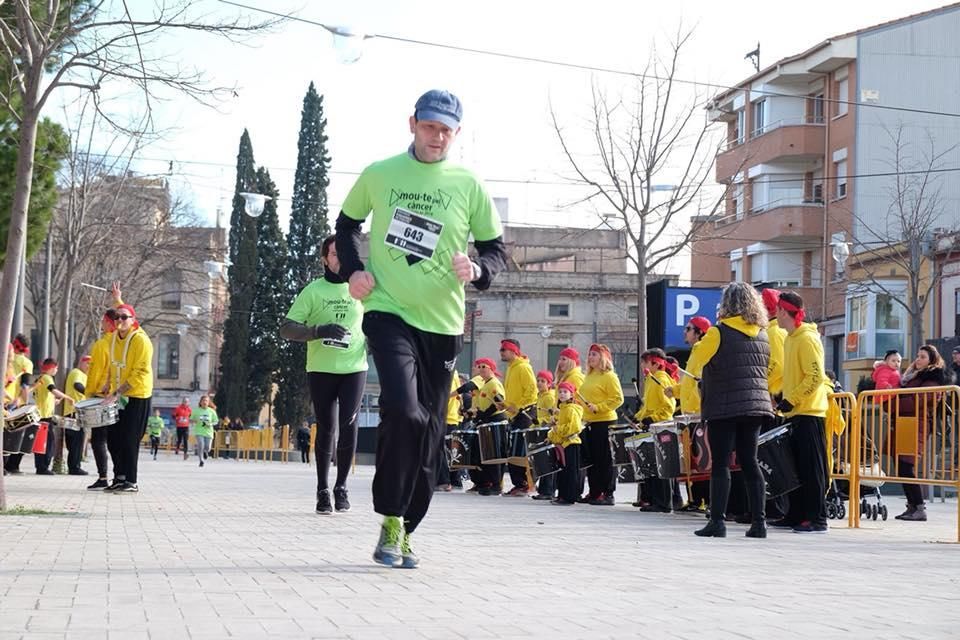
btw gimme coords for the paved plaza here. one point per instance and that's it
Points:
(234, 550)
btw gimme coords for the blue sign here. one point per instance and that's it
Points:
(681, 304)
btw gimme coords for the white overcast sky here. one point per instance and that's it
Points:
(506, 128)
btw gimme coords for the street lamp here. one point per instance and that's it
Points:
(841, 253)
(546, 331)
(253, 203)
(347, 43)
(214, 268)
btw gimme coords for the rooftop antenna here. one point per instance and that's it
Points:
(754, 56)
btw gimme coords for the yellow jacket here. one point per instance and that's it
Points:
(99, 366)
(453, 402)
(546, 401)
(601, 388)
(568, 427)
(131, 363)
(520, 385)
(835, 423)
(803, 373)
(776, 337)
(656, 405)
(574, 376)
(484, 398)
(689, 391)
(75, 376)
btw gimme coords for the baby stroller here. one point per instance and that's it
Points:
(871, 500)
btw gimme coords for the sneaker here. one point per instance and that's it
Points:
(586, 499)
(809, 527)
(474, 489)
(603, 500)
(78, 472)
(516, 492)
(340, 501)
(489, 491)
(919, 514)
(388, 551)
(649, 508)
(115, 484)
(541, 496)
(101, 483)
(410, 559)
(782, 523)
(561, 502)
(201, 462)
(908, 512)
(128, 487)
(204, 455)
(44, 472)
(323, 502)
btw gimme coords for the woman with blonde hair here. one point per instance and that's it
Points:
(601, 396)
(735, 401)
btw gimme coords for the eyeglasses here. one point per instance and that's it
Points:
(122, 318)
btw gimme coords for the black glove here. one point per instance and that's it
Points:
(647, 422)
(329, 332)
(784, 406)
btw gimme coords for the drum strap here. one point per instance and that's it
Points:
(122, 363)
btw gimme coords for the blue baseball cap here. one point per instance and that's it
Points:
(440, 106)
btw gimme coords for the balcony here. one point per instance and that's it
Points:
(797, 137)
(778, 219)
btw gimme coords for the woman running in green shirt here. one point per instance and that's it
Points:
(202, 420)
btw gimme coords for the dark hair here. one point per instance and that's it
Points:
(325, 245)
(653, 353)
(891, 352)
(830, 373)
(936, 360)
(49, 362)
(793, 298)
(110, 313)
(22, 339)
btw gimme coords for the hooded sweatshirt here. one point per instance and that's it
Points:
(803, 373)
(776, 336)
(520, 385)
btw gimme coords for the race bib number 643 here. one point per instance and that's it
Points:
(413, 234)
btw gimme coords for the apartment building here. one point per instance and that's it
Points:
(810, 159)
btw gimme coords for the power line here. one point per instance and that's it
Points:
(585, 67)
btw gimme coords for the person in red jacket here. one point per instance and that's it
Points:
(181, 418)
(886, 372)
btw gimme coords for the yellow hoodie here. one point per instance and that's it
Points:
(99, 366)
(131, 363)
(776, 336)
(488, 390)
(574, 376)
(689, 391)
(546, 401)
(656, 405)
(601, 388)
(520, 385)
(453, 402)
(568, 427)
(834, 424)
(803, 373)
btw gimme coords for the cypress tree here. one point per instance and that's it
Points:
(308, 227)
(234, 361)
(271, 299)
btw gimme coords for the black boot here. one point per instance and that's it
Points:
(757, 530)
(714, 529)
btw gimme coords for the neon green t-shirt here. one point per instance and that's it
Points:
(324, 302)
(423, 213)
(202, 420)
(154, 426)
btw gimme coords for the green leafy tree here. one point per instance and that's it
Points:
(308, 227)
(242, 274)
(271, 300)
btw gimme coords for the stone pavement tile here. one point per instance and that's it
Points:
(48, 621)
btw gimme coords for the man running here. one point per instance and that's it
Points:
(424, 210)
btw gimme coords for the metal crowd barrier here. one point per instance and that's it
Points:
(899, 426)
(253, 444)
(842, 427)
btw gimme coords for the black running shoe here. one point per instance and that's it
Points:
(323, 502)
(340, 501)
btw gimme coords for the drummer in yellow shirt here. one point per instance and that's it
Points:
(566, 434)
(488, 407)
(75, 387)
(601, 396)
(448, 478)
(47, 395)
(546, 410)
(520, 402)
(693, 333)
(656, 493)
(97, 373)
(18, 389)
(130, 384)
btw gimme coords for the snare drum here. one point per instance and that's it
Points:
(523, 441)
(67, 422)
(775, 457)
(669, 453)
(617, 437)
(26, 416)
(642, 455)
(543, 461)
(494, 442)
(463, 450)
(94, 413)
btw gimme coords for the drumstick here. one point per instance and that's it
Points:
(93, 286)
(687, 373)
(636, 386)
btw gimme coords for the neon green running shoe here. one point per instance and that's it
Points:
(410, 559)
(388, 548)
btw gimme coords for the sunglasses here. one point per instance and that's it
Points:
(122, 318)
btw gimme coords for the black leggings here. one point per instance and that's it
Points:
(601, 475)
(183, 434)
(98, 441)
(334, 393)
(725, 435)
